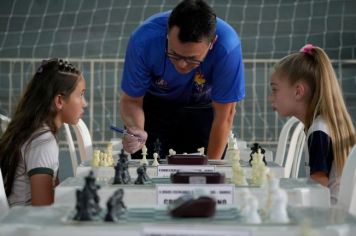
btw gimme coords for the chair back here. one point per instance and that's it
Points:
(290, 157)
(85, 144)
(4, 205)
(295, 151)
(283, 140)
(347, 190)
(4, 121)
(71, 148)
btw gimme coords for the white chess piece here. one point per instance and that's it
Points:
(155, 159)
(172, 152)
(238, 175)
(102, 161)
(279, 200)
(232, 151)
(96, 158)
(230, 140)
(253, 216)
(244, 206)
(105, 160)
(259, 169)
(144, 160)
(201, 150)
(109, 153)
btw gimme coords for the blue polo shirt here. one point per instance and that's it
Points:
(147, 69)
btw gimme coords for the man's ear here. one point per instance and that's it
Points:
(58, 102)
(213, 42)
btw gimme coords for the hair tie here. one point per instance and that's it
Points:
(40, 68)
(307, 49)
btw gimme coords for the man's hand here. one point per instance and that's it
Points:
(132, 144)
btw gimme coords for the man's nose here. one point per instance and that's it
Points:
(182, 63)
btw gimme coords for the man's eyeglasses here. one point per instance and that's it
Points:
(188, 60)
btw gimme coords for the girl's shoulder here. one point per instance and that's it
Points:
(42, 136)
(318, 124)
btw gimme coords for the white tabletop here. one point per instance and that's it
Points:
(53, 221)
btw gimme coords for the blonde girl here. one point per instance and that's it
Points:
(304, 85)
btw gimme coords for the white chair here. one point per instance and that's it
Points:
(347, 190)
(295, 151)
(85, 144)
(4, 205)
(71, 148)
(290, 158)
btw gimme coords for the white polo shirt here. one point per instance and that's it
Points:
(39, 157)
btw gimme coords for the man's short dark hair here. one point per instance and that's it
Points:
(195, 19)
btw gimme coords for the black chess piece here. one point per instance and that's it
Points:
(124, 165)
(254, 149)
(115, 206)
(126, 178)
(140, 175)
(123, 155)
(87, 200)
(90, 192)
(145, 175)
(118, 173)
(84, 207)
(111, 215)
(120, 206)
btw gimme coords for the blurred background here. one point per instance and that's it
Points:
(93, 35)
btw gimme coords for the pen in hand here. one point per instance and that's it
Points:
(125, 132)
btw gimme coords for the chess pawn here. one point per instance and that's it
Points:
(102, 161)
(279, 200)
(106, 160)
(201, 150)
(111, 161)
(144, 150)
(96, 158)
(252, 215)
(109, 150)
(155, 159)
(144, 156)
(109, 157)
(244, 206)
(140, 175)
(171, 152)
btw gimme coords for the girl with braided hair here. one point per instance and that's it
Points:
(29, 147)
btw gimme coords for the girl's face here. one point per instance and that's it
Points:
(282, 96)
(73, 106)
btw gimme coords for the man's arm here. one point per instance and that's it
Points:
(222, 123)
(134, 119)
(131, 111)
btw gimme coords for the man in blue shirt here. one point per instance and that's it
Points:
(183, 76)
